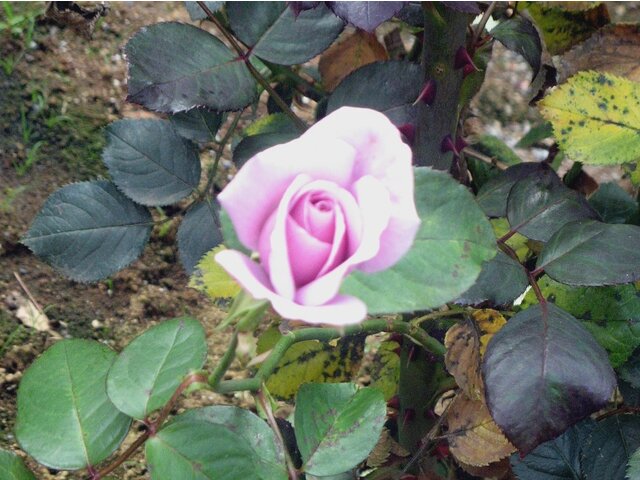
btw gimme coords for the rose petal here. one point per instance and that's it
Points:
(255, 192)
(307, 254)
(341, 310)
(315, 213)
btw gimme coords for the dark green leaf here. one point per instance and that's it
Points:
(492, 197)
(613, 203)
(274, 33)
(611, 314)
(149, 369)
(630, 371)
(253, 144)
(12, 467)
(196, 13)
(519, 34)
(252, 430)
(366, 15)
(501, 281)
(89, 230)
(389, 87)
(174, 67)
(557, 459)
(198, 124)
(495, 148)
(193, 448)
(539, 205)
(150, 162)
(481, 172)
(65, 419)
(543, 372)
(633, 470)
(445, 259)
(537, 133)
(591, 253)
(199, 232)
(230, 238)
(607, 451)
(337, 425)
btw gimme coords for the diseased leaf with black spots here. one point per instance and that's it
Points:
(384, 369)
(463, 359)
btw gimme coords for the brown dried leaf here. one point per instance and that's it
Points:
(358, 49)
(474, 438)
(488, 322)
(463, 359)
(71, 14)
(28, 313)
(385, 447)
(613, 49)
(496, 471)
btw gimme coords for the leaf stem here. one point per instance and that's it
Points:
(483, 23)
(368, 327)
(259, 78)
(225, 361)
(452, 312)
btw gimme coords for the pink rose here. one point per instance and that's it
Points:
(337, 199)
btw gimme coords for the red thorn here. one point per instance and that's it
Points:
(468, 70)
(441, 451)
(409, 415)
(447, 145)
(409, 132)
(463, 59)
(460, 144)
(428, 93)
(394, 402)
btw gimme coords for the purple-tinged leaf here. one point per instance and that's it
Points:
(298, 7)
(365, 15)
(464, 7)
(544, 372)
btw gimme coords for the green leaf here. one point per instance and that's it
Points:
(229, 234)
(196, 13)
(268, 131)
(213, 280)
(613, 203)
(384, 369)
(591, 253)
(312, 361)
(492, 196)
(501, 281)
(630, 371)
(252, 430)
(198, 124)
(12, 467)
(274, 33)
(149, 369)
(539, 205)
(633, 470)
(562, 27)
(337, 425)
(565, 375)
(89, 230)
(389, 87)
(198, 233)
(65, 419)
(520, 35)
(611, 314)
(174, 67)
(596, 118)
(445, 259)
(194, 448)
(557, 459)
(495, 148)
(150, 162)
(537, 133)
(607, 451)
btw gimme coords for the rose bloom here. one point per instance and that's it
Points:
(335, 200)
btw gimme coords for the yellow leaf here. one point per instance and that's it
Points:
(473, 436)
(213, 280)
(463, 358)
(489, 322)
(596, 118)
(517, 242)
(384, 369)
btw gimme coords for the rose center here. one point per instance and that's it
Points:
(315, 212)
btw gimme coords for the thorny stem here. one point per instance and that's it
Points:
(152, 427)
(225, 362)
(531, 275)
(326, 334)
(271, 419)
(259, 78)
(452, 312)
(482, 24)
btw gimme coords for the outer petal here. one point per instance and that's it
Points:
(341, 310)
(255, 192)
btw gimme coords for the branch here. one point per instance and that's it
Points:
(483, 23)
(225, 362)
(368, 327)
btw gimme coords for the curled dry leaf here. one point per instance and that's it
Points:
(489, 322)
(27, 312)
(613, 49)
(474, 438)
(463, 358)
(356, 50)
(385, 447)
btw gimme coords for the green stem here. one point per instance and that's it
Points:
(303, 84)
(225, 362)
(259, 78)
(368, 327)
(452, 312)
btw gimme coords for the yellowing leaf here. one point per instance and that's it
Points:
(384, 369)
(312, 362)
(463, 359)
(489, 322)
(517, 242)
(596, 118)
(210, 278)
(473, 436)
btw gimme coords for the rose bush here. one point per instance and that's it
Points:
(338, 198)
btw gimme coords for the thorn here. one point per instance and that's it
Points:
(468, 70)
(428, 93)
(409, 415)
(460, 144)
(408, 130)
(394, 402)
(463, 58)
(448, 145)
